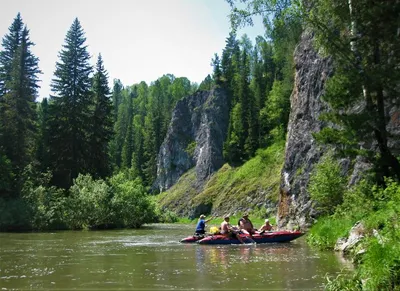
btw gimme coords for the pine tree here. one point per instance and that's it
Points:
(117, 97)
(70, 110)
(120, 130)
(127, 147)
(138, 145)
(42, 153)
(10, 44)
(207, 83)
(217, 73)
(102, 130)
(242, 138)
(154, 131)
(18, 115)
(138, 157)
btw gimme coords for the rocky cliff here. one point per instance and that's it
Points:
(195, 138)
(302, 151)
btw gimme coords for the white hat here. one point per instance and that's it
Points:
(267, 220)
(202, 216)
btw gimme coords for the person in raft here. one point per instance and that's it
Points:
(265, 227)
(201, 225)
(227, 229)
(245, 224)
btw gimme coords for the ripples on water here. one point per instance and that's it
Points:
(152, 258)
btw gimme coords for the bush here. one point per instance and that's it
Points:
(357, 202)
(14, 215)
(379, 209)
(327, 185)
(89, 203)
(327, 230)
(46, 204)
(131, 204)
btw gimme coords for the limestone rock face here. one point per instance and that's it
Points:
(302, 152)
(195, 138)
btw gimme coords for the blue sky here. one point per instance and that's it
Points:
(139, 40)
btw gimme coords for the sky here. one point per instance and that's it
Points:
(139, 40)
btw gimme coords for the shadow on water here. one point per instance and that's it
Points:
(152, 258)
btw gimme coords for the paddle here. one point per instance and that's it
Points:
(245, 220)
(249, 237)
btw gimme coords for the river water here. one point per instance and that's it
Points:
(152, 258)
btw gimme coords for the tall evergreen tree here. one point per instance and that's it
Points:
(70, 110)
(242, 139)
(116, 97)
(127, 147)
(217, 73)
(207, 83)
(102, 122)
(42, 153)
(10, 44)
(18, 115)
(154, 131)
(229, 54)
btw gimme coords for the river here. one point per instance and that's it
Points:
(152, 258)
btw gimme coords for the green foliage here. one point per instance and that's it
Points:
(6, 176)
(327, 230)
(358, 202)
(18, 89)
(274, 117)
(343, 282)
(102, 123)
(130, 203)
(381, 264)
(70, 118)
(143, 116)
(365, 69)
(46, 204)
(15, 214)
(230, 187)
(89, 203)
(327, 185)
(47, 207)
(191, 148)
(264, 101)
(378, 209)
(10, 43)
(163, 215)
(207, 84)
(185, 187)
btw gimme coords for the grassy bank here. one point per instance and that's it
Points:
(230, 190)
(377, 256)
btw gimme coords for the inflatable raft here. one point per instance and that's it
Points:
(266, 237)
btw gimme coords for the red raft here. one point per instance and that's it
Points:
(266, 237)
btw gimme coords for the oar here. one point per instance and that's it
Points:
(250, 238)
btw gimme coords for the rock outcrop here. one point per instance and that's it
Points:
(195, 138)
(302, 151)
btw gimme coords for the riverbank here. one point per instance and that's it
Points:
(372, 244)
